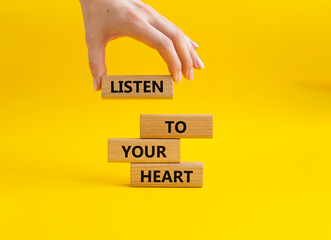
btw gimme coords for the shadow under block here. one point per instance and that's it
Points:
(137, 86)
(184, 174)
(143, 150)
(176, 126)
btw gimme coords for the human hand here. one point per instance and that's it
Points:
(106, 20)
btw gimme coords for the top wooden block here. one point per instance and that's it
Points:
(137, 86)
(176, 126)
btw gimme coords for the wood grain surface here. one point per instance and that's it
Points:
(176, 126)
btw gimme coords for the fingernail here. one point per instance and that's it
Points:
(195, 44)
(179, 77)
(190, 75)
(95, 84)
(200, 63)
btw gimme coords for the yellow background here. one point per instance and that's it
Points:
(267, 82)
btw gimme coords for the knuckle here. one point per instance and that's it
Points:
(145, 8)
(166, 43)
(178, 34)
(93, 65)
(131, 17)
(149, 10)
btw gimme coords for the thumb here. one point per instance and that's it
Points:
(96, 55)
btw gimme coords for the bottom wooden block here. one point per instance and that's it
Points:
(184, 174)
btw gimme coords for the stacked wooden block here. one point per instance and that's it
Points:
(137, 86)
(155, 157)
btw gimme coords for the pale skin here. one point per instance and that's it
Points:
(106, 20)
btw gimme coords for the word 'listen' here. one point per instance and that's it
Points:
(136, 86)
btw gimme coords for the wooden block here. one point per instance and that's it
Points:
(184, 174)
(143, 150)
(176, 126)
(137, 86)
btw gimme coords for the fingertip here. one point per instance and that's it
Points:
(195, 64)
(194, 44)
(95, 85)
(190, 74)
(177, 77)
(199, 63)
